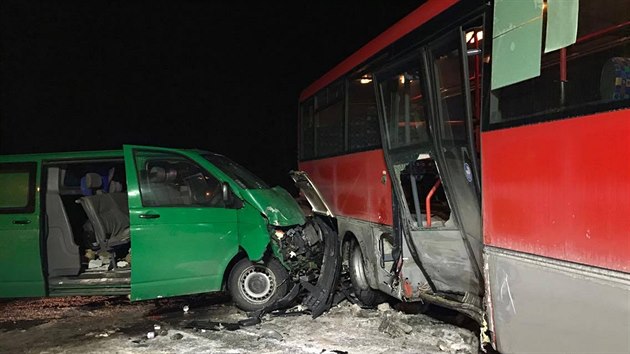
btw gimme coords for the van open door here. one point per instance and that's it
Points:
(182, 235)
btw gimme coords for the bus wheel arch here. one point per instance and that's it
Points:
(354, 263)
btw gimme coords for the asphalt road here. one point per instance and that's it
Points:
(113, 325)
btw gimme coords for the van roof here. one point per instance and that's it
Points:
(72, 155)
(62, 155)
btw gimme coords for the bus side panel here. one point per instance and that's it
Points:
(353, 185)
(546, 306)
(561, 189)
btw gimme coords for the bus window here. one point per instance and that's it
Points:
(448, 69)
(363, 130)
(583, 78)
(306, 130)
(405, 108)
(329, 120)
(474, 38)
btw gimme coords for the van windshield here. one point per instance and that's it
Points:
(240, 175)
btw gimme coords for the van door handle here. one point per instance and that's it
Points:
(149, 216)
(21, 222)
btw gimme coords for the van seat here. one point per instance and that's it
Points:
(109, 215)
(91, 183)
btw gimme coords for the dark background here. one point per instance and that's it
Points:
(89, 75)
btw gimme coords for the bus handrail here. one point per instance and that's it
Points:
(428, 200)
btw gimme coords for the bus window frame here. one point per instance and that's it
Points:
(559, 113)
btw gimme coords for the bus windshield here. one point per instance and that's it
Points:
(239, 174)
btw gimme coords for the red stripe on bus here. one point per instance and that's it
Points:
(353, 185)
(410, 22)
(561, 189)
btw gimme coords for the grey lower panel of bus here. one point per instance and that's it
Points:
(542, 305)
(444, 256)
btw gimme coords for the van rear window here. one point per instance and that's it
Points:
(17, 192)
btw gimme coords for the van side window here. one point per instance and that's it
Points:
(171, 180)
(17, 194)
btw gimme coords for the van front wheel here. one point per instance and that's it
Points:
(254, 286)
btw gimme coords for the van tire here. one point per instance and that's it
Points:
(362, 290)
(253, 286)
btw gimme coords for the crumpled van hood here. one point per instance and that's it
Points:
(276, 204)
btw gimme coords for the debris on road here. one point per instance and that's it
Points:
(271, 334)
(214, 327)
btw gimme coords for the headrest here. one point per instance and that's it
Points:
(93, 180)
(171, 175)
(614, 77)
(157, 175)
(115, 187)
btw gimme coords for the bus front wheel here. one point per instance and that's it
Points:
(254, 286)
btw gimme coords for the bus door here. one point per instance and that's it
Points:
(455, 125)
(432, 173)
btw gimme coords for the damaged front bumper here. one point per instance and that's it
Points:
(311, 253)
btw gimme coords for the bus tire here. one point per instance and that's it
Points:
(254, 286)
(362, 290)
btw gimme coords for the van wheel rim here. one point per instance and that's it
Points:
(257, 284)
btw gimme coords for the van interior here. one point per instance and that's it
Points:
(86, 218)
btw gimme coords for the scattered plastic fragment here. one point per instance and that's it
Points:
(271, 334)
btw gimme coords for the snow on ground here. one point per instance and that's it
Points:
(112, 325)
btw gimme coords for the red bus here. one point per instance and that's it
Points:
(475, 155)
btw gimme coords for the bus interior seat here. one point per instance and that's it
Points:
(615, 79)
(62, 251)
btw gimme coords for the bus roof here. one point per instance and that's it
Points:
(417, 18)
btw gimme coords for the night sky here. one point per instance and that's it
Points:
(89, 75)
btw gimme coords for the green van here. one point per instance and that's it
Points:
(149, 222)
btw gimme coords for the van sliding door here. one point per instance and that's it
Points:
(20, 256)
